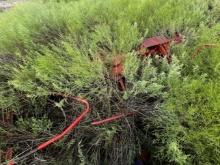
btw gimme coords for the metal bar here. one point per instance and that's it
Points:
(113, 118)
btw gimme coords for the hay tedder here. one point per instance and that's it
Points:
(150, 47)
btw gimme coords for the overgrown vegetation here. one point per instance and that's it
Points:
(63, 46)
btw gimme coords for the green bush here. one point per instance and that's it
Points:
(63, 46)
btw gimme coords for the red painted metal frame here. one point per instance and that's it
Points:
(8, 155)
(159, 45)
(11, 162)
(110, 119)
(70, 127)
(117, 72)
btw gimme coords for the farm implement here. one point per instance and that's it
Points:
(159, 45)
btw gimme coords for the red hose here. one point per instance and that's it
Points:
(110, 119)
(69, 128)
(62, 134)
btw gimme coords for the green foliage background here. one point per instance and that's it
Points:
(56, 46)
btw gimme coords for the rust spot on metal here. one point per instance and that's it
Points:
(159, 45)
(117, 72)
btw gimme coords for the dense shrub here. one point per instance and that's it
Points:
(64, 46)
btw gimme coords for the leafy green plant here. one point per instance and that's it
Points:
(36, 126)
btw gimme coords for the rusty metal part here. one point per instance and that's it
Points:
(159, 45)
(154, 41)
(8, 154)
(117, 72)
(117, 66)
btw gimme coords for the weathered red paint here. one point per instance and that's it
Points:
(154, 41)
(159, 45)
(11, 162)
(8, 156)
(117, 72)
